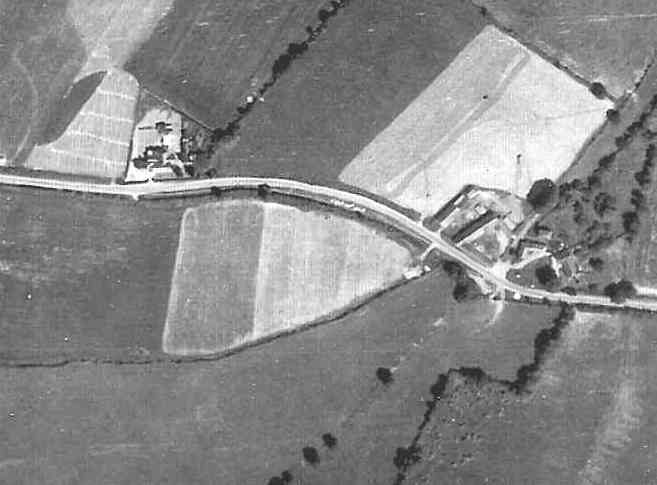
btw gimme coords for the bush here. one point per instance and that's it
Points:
(405, 457)
(620, 291)
(465, 289)
(596, 263)
(329, 440)
(546, 276)
(276, 481)
(631, 222)
(541, 193)
(310, 454)
(598, 90)
(384, 375)
(286, 476)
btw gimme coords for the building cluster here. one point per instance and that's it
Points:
(158, 148)
(483, 222)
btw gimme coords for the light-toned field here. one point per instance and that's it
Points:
(97, 141)
(246, 270)
(113, 29)
(495, 104)
(313, 263)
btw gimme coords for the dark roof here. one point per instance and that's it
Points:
(474, 226)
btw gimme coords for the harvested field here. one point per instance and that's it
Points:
(206, 57)
(517, 119)
(247, 270)
(97, 140)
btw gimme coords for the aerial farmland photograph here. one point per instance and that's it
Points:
(320, 242)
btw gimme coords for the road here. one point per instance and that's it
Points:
(335, 197)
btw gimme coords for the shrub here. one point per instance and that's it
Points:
(546, 276)
(405, 457)
(598, 90)
(620, 291)
(310, 454)
(384, 375)
(541, 193)
(596, 263)
(329, 440)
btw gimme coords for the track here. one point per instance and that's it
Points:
(338, 198)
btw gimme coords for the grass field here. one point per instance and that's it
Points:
(610, 42)
(246, 270)
(373, 59)
(588, 419)
(206, 57)
(83, 277)
(513, 108)
(40, 53)
(245, 418)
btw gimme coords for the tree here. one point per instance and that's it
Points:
(329, 440)
(596, 263)
(541, 193)
(620, 291)
(631, 222)
(546, 276)
(286, 476)
(310, 454)
(384, 375)
(465, 289)
(276, 481)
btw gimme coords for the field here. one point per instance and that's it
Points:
(97, 140)
(514, 109)
(607, 197)
(206, 57)
(588, 418)
(245, 418)
(247, 270)
(83, 276)
(610, 42)
(40, 53)
(373, 59)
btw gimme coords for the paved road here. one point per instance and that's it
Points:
(337, 198)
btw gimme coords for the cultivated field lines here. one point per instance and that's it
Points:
(498, 116)
(246, 270)
(98, 139)
(313, 263)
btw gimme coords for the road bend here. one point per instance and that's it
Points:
(341, 199)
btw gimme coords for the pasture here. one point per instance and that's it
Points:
(206, 57)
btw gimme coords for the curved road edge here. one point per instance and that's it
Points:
(338, 198)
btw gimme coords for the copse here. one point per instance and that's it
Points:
(541, 193)
(620, 291)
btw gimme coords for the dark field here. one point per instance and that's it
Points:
(605, 41)
(373, 59)
(88, 277)
(40, 53)
(83, 276)
(245, 418)
(589, 419)
(206, 57)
